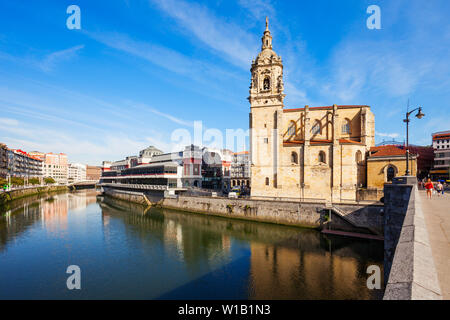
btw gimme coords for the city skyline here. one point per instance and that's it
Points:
(121, 84)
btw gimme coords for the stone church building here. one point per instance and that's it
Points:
(310, 153)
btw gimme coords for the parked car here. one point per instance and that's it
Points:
(233, 195)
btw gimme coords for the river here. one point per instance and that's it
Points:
(125, 251)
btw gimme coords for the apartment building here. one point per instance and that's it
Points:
(3, 160)
(240, 169)
(22, 164)
(76, 172)
(441, 146)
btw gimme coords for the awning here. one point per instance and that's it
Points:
(439, 171)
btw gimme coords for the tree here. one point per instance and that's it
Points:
(16, 181)
(34, 181)
(49, 180)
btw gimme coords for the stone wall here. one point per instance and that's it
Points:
(20, 193)
(315, 215)
(282, 212)
(289, 213)
(409, 269)
(369, 194)
(7, 197)
(144, 198)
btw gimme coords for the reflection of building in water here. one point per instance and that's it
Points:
(54, 212)
(297, 272)
(192, 237)
(226, 243)
(77, 201)
(16, 221)
(80, 200)
(173, 235)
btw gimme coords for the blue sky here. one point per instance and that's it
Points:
(140, 69)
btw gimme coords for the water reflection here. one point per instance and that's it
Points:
(127, 251)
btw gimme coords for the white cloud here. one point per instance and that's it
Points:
(111, 146)
(258, 8)
(387, 135)
(228, 39)
(9, 122)
(202, 72)
(145, 107)
(49, 62)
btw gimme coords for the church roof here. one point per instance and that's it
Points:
(387, 151)
(319, 141)
(326, 108)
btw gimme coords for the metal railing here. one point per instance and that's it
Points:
(135, 186)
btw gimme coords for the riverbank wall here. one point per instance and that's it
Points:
(9, 196)
(343, 217)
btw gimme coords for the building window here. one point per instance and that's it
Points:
(292, 129)
(294, 157)
(322, 157)
(346, 127)
(266, 140)
(316, 129)
(390, 174)
(267, 181)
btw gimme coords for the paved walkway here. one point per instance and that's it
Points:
(437, 217)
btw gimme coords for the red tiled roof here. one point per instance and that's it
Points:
(26, 154)
(242, 152)
(325, 108)
(388, 150)
(441, 137)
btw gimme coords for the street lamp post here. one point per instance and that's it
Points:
(419, 115)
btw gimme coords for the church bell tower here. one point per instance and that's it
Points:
(266, 112)
(267, 75)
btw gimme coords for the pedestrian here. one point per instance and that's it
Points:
(429, 187)
(439, 188)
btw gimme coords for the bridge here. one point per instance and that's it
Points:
(86, 184)
(415, 242)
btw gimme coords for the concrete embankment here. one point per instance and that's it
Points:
(350, 217)
(9, 196)
(409, 267)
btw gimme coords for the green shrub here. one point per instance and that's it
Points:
(15, 181)
(49, 180)
(34, 181)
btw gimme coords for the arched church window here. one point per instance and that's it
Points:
(294, 157)
(346, 127)
(316, 129)
(322, 157)
(390, 174)
(266, 83)
(292, 129)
